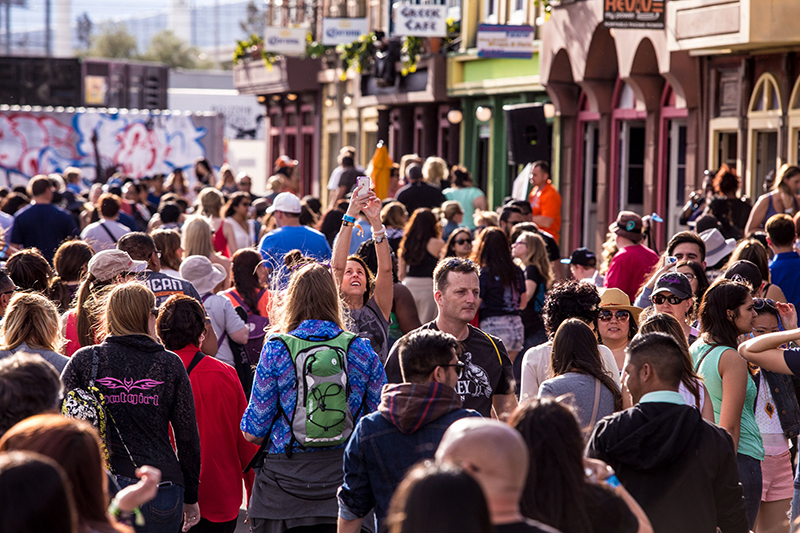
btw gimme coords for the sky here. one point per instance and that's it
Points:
(99, 10)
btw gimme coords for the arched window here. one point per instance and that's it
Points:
(763, 131)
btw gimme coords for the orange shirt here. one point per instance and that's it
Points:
(547, 202)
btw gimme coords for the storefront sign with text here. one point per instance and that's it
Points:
(634, 14)
(289, 41)
(499, 40)
(420, 20)
(342, 31)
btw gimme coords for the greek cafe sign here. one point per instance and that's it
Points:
(289, 41)
(634, 14)
(420, 20)
(500, 40)
(342, 31)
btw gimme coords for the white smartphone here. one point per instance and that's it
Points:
(363, 183)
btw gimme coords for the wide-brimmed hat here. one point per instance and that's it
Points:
(628, 225)
(613, 299)
(111, 263)
(717, 246)
(202, 273)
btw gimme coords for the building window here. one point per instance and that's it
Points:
(491, 11)
(519, 12)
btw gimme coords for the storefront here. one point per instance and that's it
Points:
(626, 128)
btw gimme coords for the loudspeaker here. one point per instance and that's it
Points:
(527, 136)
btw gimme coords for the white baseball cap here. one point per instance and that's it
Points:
(287, 203)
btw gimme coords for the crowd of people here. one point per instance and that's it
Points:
(412, 363)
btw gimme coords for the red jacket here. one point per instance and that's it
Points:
(219, 403)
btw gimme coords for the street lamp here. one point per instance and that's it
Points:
(483, 114)
(454, 116)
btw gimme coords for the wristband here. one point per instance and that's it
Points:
(348, 218)
(347, 224)
(379, 238)
(381, 231)
(4, 250)
(124, 516)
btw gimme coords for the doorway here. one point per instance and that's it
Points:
(631, 166)
(676, 174)
(766, 157)
(591, 144)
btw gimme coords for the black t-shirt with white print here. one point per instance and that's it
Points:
(488, 369)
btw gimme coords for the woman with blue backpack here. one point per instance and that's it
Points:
(313, 382)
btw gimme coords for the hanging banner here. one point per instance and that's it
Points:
(342, 31)
(634, 14)
(420, 20)
(499, 40)
(289, 41)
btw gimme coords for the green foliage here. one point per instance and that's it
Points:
(412, 48)
(168, 48)
(252, 48)
(359, 53)
(114, 41)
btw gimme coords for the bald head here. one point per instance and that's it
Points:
(493, 452)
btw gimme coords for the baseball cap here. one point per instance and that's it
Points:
(674, 283)
(628, 225)
(286, 161)
(286, 202)
(581, 257)
(107, 264)
(746, 272)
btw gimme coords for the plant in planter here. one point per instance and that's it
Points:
(253, 48)
(411, 51)
(359, 53)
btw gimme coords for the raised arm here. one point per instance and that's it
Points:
(341, 246)
(384, 284)
(757, 215)
(765, 351)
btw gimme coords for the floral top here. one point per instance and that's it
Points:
(275, 377)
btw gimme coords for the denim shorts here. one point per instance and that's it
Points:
(162, 514)
(508, 327)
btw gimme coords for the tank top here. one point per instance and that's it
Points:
(221, 241)
(771, 210)
(244, 239)
(425, 268)
(706, 361)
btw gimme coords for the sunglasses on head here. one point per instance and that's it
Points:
(659, 299)
(621, 315)
(760, 303)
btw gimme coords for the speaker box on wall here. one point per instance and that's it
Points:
(528, 136)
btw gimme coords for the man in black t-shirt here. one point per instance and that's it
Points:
(487, 380)
(418, 193)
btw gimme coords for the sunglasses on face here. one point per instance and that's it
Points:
(463, 241)
(458, 366)
(607, 315)
(659, 299)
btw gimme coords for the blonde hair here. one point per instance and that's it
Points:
(311, 295)
(610, 249)
(196, 237)
(210, 200)
(488, 218)
(128, 309)
(536, 256)
(33, 319)
(393, 215)
(785, 173)
(434, 171)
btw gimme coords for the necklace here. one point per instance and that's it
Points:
(768, 407)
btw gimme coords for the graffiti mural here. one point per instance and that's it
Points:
(137, 145)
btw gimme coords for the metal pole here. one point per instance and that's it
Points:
(48, 45)
(8, 27)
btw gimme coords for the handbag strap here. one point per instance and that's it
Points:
(102, 225)
(224, 332)
(596, 403)
(195, 361)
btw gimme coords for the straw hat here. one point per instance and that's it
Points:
(613, 299)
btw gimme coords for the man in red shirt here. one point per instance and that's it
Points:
(633, 262)
(545, 200)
